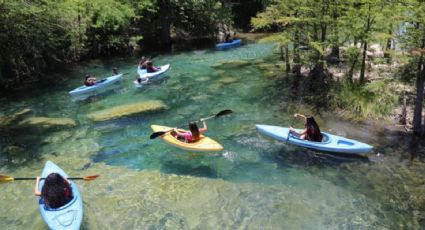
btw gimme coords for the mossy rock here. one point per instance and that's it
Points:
(127, 110)
(202, 79)
(47, 122)
(227, 80)
(231, 64)
(14, 118)
(215, 87)
(271, 70)
(57, 137)
(13, 150)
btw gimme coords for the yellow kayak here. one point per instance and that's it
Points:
(204, 144)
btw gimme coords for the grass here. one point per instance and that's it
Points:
(374, 100)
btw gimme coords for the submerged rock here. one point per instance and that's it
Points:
(47, 122)
(231, 64)
(271, 70)
(13, 150)
(57, 137)
(228, 80)
(14, 118)
(127, 110)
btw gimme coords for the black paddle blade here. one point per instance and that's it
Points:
(224, 112)
(156, 134)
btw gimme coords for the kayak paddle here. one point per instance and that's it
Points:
(221, 113)
(5, 179)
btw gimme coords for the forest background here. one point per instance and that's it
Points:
(313, 38)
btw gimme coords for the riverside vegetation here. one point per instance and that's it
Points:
(314, 38)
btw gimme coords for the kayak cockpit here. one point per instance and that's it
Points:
(325, 139)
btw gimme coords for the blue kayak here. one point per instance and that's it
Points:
(228, 45)
(330, 143)
(99, 85)
(145, 75)
(69, 216)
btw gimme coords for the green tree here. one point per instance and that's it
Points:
(308, 25)
(32, 39)
(414, 40)
(183, 18)
(38, 36)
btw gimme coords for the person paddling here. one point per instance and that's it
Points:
(115, 71)
(228, 38)
(89, 80)
(56, 191)
(311, 131)
(194, 134)
(150, 68)
(142, 62)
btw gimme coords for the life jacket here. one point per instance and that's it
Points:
(313, 134)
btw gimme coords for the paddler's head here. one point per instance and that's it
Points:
(194, 130)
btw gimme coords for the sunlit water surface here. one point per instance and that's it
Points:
(255, 183)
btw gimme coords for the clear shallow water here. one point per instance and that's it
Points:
(255, 183)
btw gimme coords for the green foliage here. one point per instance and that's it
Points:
(375, 100)
(38, 36)
(282, 39)
(199, 17)
(31, 39)
(244, 10)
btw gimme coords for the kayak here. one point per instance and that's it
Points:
(140, 85)
(144, 74)
(69, 216)
(330, 143)
(228, 45)
(99, 85)
(204, 144)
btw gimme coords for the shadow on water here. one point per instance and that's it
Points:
(152, 82)
(98, 95)
(306, 157)
(198, 164)
(184, 168)
(19, 149)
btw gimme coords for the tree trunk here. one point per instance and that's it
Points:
(365, 44)
(403, 117)
(288, 66)
(387, 55)
(297, 59)
(281, 54)
(363, 64)
(165, 22)
(417, 114)
(335, 52)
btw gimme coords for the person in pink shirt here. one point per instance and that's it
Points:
(194, 134)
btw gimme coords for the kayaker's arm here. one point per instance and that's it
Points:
(300, 134)
(300, 115)
(36, 190)
(205, 128)
(178, 132)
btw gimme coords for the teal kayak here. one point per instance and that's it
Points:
(330, 142)
(228, 45)
(98, 86)
(69, 216)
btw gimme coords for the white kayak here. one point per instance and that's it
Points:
(144, 74)
(99, 85)
(330, 143)
(140, 84)
(69, 216)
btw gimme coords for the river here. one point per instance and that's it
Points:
(254, 183)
